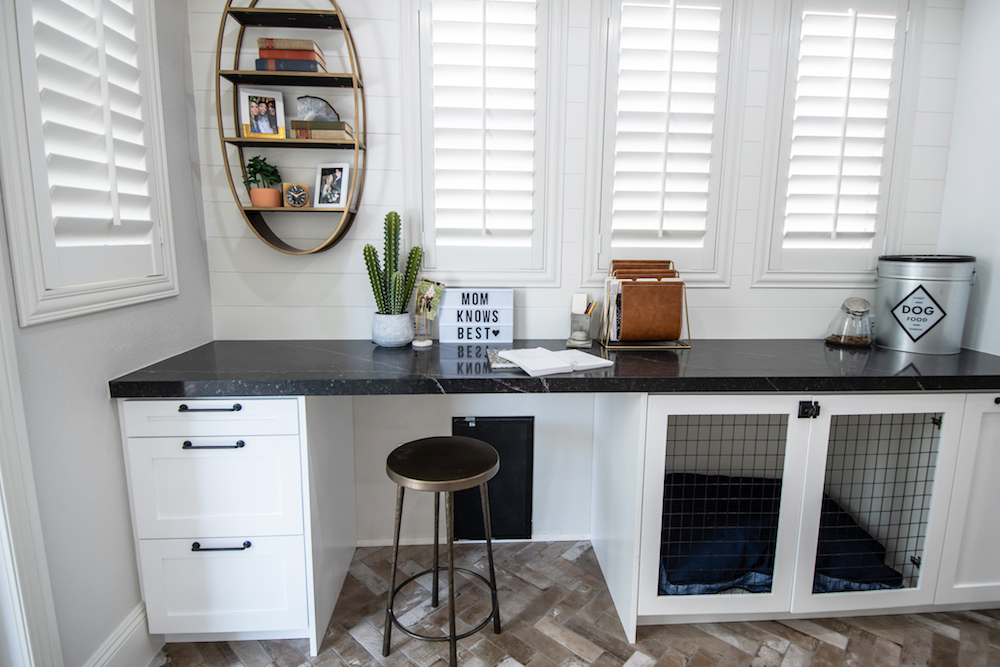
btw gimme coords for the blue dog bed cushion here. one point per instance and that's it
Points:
(719, 533)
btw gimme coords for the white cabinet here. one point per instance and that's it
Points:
(969, 564)
(750, 509)
(231, 535)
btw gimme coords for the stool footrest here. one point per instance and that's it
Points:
(469, 633)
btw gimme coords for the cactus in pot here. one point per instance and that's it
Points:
(392, 289)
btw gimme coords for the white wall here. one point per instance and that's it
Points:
(261, 293)
(563, 451)
(71, 422)
(969, 213)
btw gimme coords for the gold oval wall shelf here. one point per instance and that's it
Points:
(321, 23)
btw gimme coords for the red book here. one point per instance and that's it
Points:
(289, 54)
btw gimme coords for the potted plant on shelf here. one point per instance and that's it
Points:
(392, 326)
(259, 177)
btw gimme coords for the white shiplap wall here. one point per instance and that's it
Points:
(260, 293)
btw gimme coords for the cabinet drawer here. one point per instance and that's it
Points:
(220, 486)
(261, 587)
(212, 416)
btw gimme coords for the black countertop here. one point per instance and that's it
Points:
(355, 367)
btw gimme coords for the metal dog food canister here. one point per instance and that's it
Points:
(920, 302)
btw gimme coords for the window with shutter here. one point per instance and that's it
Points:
(667, 82)
(841, 106)
(483, 94)
(93, 143)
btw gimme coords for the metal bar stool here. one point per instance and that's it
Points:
(442, 465)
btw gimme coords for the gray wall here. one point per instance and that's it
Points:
(72, 423)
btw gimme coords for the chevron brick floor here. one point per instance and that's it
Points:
(556, 610)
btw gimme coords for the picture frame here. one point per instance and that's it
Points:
(269, 126)
(332, 185)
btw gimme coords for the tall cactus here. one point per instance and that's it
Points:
(391, 288)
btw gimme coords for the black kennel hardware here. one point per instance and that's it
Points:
(808, 410)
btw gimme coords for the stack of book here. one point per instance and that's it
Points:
(289, 55)
(328, 130)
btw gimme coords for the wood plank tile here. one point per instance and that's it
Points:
(572, 621)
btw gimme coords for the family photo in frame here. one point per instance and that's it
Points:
(331, 185)
(262, 113)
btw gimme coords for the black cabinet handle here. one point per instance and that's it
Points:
(196, 546)
(187, 445)
(184, 408)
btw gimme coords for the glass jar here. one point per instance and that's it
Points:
(852, 326)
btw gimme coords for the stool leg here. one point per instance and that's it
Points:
(387, 633)
(437, 512)
(449, 501)
(485, 497)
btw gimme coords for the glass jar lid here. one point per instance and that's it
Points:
(855, 305)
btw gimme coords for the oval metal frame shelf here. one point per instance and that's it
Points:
(253, 16)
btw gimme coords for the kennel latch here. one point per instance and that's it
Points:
(808, 410)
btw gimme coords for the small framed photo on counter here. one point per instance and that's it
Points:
(262, 113)
(331, 185)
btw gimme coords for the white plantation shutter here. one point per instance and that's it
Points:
(667, 84)
(98, 219)
(483, 106)
(837, 135)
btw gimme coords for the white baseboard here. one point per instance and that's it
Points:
(129, 645)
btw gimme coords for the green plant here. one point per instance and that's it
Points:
(391, 288)
(261, 174)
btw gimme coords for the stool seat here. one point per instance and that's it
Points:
(440, 464)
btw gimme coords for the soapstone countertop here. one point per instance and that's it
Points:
(358, 367)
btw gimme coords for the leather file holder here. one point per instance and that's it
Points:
(651, 310)
(645, 306)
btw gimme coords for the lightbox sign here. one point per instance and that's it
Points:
(469, 315)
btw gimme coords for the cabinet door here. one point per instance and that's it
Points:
(970, 565)
(259, 587)
(878, 484)
(219, 486)
(721, 493)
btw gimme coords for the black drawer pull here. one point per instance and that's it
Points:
(184, 408)
(196, 546)
(187, 445)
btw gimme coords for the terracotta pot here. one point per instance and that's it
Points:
(265, 197)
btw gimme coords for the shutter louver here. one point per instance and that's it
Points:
(841, 130)
(667, 124)
(95, 143)
(484, 70)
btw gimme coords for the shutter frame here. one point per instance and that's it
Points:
(687, 202)
(34, 257)
(510, 196)
(846, 235)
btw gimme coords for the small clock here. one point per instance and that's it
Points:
(296, 194)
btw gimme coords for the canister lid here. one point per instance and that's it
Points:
(927, 258)
(855, 305)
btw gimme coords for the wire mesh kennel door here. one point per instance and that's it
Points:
(721, 502)
(873, 538)
(876, 501)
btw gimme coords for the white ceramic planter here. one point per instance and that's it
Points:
(392, 330)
